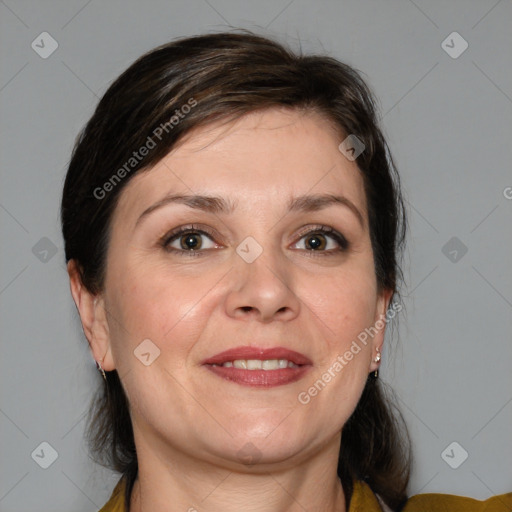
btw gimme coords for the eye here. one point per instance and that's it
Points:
(187, 241)
(190, 241)
(317, 240)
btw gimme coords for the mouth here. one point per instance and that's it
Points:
(258, 367)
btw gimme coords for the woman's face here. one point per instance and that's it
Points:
(263, 277)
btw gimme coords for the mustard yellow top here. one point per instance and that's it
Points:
(364, 500)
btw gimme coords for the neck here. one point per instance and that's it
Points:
(178, 482)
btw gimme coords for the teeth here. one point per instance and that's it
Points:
(254, 364)
(270, 364)
(257, 364)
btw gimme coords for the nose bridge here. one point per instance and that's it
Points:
(263, 280)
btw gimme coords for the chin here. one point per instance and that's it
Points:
(260, 453)
(268, 442)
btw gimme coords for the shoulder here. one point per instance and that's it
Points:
(363, 499)
(116, 503)
(451, 503)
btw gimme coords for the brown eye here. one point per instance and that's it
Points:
(190, 241)
(316, 242)
(323, 240)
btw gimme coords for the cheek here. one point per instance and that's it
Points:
(343, 307)
(154, 303)
(333, 390)
(344, 303)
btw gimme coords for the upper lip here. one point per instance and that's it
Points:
(246, 352)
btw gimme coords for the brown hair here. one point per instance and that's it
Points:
(198, 80)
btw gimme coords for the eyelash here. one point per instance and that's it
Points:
(325, 230)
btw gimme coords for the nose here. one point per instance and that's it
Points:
(262, 290)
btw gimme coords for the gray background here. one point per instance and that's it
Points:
(448, 122)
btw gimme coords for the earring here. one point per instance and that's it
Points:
(376, 360)
(98, 366)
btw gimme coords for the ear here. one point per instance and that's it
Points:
(379, 324)
(93, 316)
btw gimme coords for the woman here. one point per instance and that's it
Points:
(233, 223)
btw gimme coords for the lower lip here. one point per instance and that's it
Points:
(260, 378)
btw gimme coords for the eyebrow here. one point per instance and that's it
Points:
(215, 204)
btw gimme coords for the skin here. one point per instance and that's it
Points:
(189, 424)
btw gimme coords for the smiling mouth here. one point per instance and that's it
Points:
(258, 364)
(258, 367)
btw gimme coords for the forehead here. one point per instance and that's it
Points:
(262, 159)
